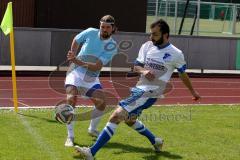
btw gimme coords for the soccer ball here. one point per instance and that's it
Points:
(64, 113)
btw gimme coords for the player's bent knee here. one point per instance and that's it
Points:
(115, 119)
(118, 116)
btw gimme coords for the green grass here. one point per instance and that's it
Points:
(190, 133)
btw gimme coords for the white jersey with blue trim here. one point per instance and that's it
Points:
(93, 49)
(162, 61)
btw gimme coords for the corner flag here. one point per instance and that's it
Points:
(7, 22)
(7, 27)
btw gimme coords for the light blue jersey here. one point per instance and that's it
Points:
(93, 49)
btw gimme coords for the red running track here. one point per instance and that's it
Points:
(42, 91)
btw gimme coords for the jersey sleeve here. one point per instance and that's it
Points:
(81, 37)
(110, 51)
(180, 63)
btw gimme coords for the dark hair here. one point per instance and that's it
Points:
(109, 19)
(164, 27)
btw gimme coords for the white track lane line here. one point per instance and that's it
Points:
(183, 88)
(176, 97)
(178, 81)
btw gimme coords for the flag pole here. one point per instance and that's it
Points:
(14, 79)
(7, 27)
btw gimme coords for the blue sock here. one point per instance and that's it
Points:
(104, 137)
(140, 128)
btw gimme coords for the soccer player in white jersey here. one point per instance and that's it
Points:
(97, 49)
(156, 62)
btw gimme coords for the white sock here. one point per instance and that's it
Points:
(70, 130)
(112, 126)
(137, 124)
(95, 119)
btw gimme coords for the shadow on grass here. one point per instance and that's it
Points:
(125, 148)
(40, 118)
(163, 154)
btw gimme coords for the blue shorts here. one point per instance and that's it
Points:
(94, 88)
(136, 102)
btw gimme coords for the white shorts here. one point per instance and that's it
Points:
(85, 86)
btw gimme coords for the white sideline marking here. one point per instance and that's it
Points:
(42, 144)
(119, 97)
(223, 81)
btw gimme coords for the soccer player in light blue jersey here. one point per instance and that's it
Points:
(156, 62)
(97, 49)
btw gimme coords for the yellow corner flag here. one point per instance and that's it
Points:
(7, 22)
(7, 27)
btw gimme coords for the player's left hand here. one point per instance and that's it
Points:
(196, 96)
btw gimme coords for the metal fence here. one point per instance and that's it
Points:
(216, 19)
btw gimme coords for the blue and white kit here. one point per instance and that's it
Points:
(161, 61)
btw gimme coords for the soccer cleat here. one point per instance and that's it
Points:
(84, 152)
(69, 142)
(158, 144)
(93, 133)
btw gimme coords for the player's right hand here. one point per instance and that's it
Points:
(71, 56)
(149, 75)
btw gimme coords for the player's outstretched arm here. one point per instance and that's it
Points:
(187, 82)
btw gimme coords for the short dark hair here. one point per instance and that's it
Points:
(109, 19)
(164, 27)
